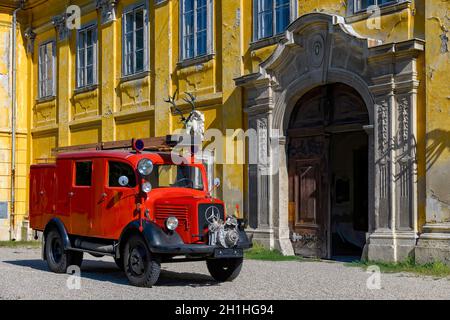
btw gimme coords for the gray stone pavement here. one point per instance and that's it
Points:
(23, 275)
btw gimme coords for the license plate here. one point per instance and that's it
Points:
(228, 253)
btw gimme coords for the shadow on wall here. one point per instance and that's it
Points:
(438, 141)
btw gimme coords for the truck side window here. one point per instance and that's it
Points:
(83, 173)
(118, 169)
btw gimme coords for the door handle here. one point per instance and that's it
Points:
(103, 195)
(71, 194)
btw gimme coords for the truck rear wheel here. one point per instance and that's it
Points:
(141, 268)
(224, 269)
(58, 259)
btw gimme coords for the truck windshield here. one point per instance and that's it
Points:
(176, 176)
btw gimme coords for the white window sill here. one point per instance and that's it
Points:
(135, 76)
(45, 99)
(194, 61)
(87, 88)
(265, 42)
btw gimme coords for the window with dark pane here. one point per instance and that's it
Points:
(83, 173)
(366, 4)
(271, 17)
(119, 169)
(46, 70)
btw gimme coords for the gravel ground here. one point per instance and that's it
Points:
(23, 275)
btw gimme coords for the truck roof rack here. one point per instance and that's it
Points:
(161, 144)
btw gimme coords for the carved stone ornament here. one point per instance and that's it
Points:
(30, 36)
(60, 23)
(262, 140)
(107, 10)
(403, 118)
(383, 126)
(317, 50)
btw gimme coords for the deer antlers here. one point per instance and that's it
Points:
(171, 100)
(189, 99)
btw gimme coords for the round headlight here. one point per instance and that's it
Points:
(146, 186)
(171, 223)
(145, 167)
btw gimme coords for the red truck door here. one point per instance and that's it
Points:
(81, 206)
(117, 201)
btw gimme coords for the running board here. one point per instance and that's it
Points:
(93, 252)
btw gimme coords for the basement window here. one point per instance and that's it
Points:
(87, 57)
(134, 58)
(46, 71)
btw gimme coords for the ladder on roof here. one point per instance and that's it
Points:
(160, 144)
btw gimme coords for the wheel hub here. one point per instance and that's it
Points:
(137, 260)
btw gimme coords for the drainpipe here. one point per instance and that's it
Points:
(13, 123)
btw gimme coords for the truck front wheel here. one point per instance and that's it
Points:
(58, 259)
(224, 269)
(141, 268)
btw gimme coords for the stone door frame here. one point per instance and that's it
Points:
(320, 49)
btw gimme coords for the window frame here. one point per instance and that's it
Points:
(133, 9)
(41, 95)
(75, 185)
(293, 13)
(107, 175)
(209, 31)
(94, 28)
(358, 9)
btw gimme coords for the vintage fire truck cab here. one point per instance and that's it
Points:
(140, 208)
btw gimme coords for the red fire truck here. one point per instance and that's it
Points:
(137, 206)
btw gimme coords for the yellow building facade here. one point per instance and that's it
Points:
(95, 71)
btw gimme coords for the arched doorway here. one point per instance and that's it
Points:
(328, 173)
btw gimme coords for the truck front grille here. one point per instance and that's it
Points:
(162, 212)
(205, 212)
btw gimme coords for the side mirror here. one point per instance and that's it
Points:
(123, 181)
(215, 185)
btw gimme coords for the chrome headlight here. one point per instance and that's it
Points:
(145, 167)
(171, 223)
(146, 186)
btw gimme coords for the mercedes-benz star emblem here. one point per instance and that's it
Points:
(212, 213)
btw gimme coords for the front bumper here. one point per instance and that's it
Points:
(171, 244)
(203, 250)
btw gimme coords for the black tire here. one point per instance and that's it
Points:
(58, 259)
(141, 267)
(119, 263)
(224, 269)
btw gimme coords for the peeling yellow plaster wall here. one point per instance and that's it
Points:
(437, 25)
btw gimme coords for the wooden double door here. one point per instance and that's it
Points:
(309, 196)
